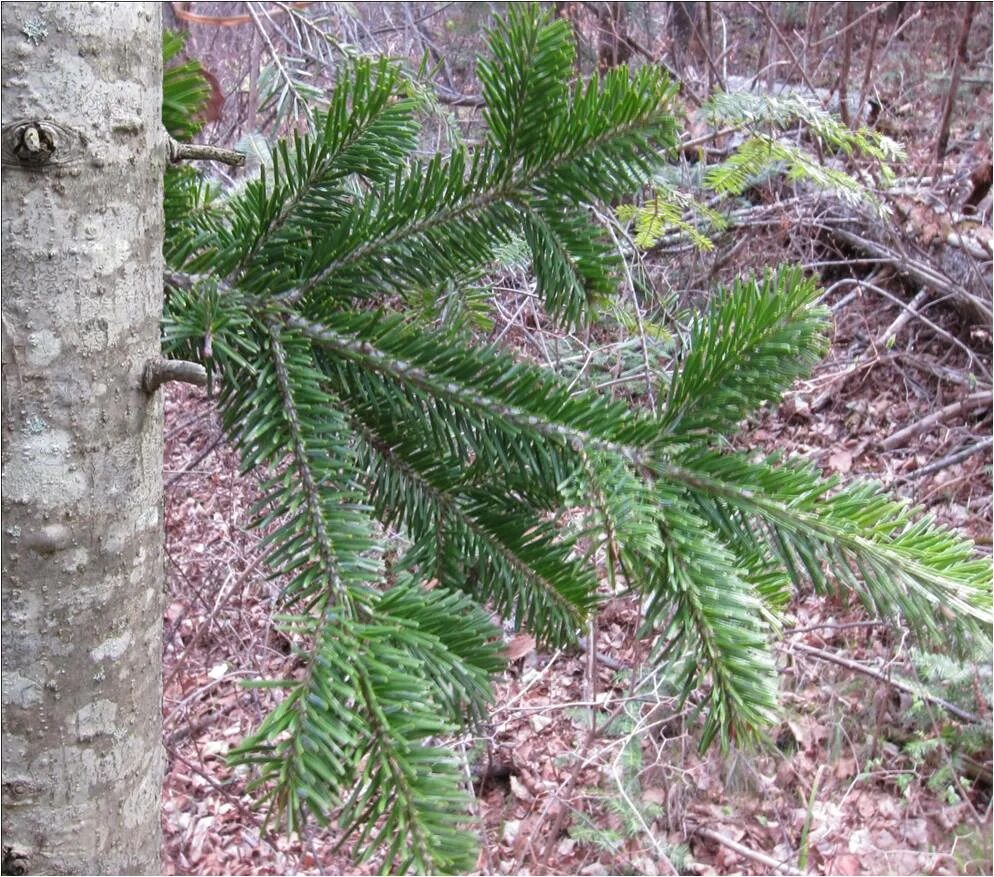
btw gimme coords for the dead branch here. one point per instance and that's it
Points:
(954, 76)
(951, 459)
(871, 239)
(901, 437)
(871, 354)
(900, 684)
(754, 855)
(975, 361)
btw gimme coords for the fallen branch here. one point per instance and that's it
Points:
(974, 359)
(919, 271)
(907, 313)
(601, 658)
(914, 690)
(901, 437)
(942, 372)
(742, 850)
(951, 460)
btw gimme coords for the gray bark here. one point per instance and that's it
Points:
(82, 442)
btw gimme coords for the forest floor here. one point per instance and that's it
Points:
(574, 775)
(860, 773)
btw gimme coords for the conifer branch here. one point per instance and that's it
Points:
(468, 452)
(367, 354)
(301, 461)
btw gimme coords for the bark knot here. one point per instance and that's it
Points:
(15, 861)
(35, 143)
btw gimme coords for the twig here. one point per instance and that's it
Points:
(909, 310)
(873, 10)
(454, 99)
(208, 622)
(786, 44)
(715, 72)
(742, 850)
(647, 368)
(822, 655)
(159, 371)
(951, 460)
(901, 437)
(944, 487)
(600, 657)
(203, 152)
(478, 813)
(218, 20)
(934, 327)
(947, 110)
(942, 372)
(848, 625)
(919, 271)
(248, 816)
(557, 822)
(193, 729)
(868, 71)
(844, 70)
(393, 28)
(279, 66)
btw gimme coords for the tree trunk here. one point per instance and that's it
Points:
(83, 156)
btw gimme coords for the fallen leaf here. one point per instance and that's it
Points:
(884, 840)
(841, 462)
(915, 832)
(520, 646)
(539, 723)
(519, 790)
(887, 808)
(846, 865)
(865, 806)
(654, 796)
(215, 747)
(510, 830)
(845, 768)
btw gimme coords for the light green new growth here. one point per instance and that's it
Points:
(765, 151)
(358, 417)
(781, 112)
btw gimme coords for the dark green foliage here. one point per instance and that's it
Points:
(360, 418)
(185, 91)
(752, 345)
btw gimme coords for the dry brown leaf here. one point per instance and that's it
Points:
(519, 790)
(654, 796)
(509, 833)
(846, 865)
(840, 461)
(519, 646)
(539, 723)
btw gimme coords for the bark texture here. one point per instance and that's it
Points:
(83, 156)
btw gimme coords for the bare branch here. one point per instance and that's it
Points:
(158, 371)
(202, 152)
